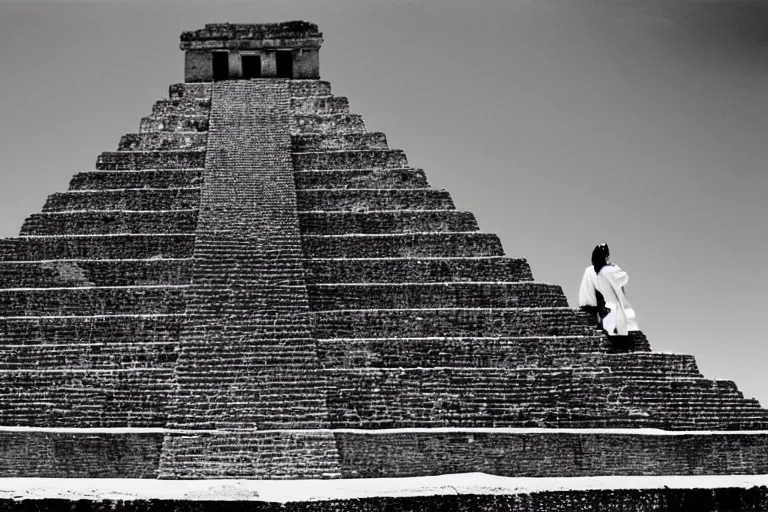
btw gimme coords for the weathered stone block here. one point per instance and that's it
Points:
(554, 398)
(427, 323)
(71, 398)
(52, 274)
(194, 90)
(84, 223)
(281, 455)
(236, 36)
(362, 200)
(437, 245)
(164, 141)
(338, 223)
(43, 454)
(182, 106)
(104, 330)
(299, 88)
(92, 301)
(469, 352)
(198, 66)
(654, 364)
(320, 105)
(361, 178)
(332, 124)
(96, 247)
(138, 160)
(174, 123)
(350, 159)
(452, 397)
(434, 295)
(92, 356)
(129, 199)
(306, 63)
(360, 141)
(552, 454)
(413, 270)
(120, 180)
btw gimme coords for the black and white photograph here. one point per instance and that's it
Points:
(378, 256)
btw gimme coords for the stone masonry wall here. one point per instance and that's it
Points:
(79, 455)
(548, 454)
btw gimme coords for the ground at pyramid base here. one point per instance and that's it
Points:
(469, 491)
(255, 287)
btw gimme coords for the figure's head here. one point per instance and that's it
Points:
(600, 256)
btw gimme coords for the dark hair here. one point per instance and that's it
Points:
(600, 257)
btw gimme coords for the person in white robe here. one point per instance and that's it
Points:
(602, 288)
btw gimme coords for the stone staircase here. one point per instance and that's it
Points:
(248, 366)
(92, 292)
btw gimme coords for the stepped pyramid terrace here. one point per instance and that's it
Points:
(254, 287)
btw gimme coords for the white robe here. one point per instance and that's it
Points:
(609, 283)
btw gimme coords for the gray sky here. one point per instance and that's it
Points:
(559, 123)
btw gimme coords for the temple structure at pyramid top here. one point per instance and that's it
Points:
(253, 285)
(236, 51)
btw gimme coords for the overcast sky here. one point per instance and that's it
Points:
(559, 123)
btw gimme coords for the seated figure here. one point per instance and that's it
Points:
(602, 293)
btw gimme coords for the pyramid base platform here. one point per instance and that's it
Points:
(526, 452)
(474, 491)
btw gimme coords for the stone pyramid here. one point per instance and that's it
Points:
(255, 286)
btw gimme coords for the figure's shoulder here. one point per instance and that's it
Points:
(590, 270)
(614, 274)
(610, 268)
